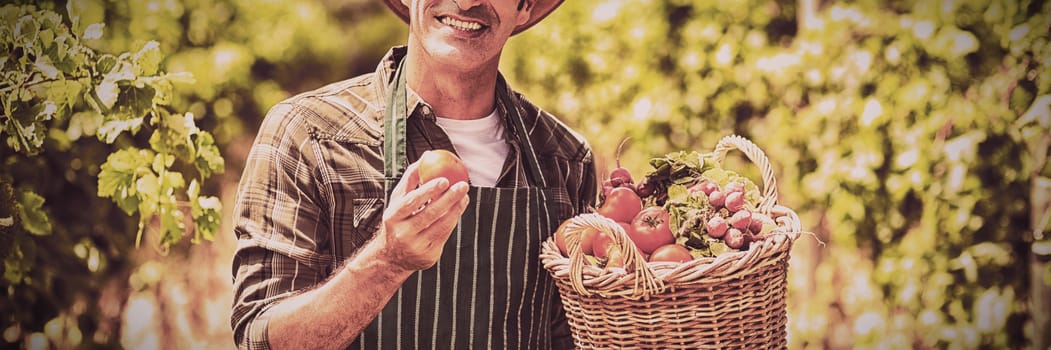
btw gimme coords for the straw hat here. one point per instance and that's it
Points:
(541, 8)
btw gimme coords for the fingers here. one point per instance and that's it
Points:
(440, 206)
(440, 216)
(407, 204)
(419, 237)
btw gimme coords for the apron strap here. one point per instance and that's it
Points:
(394, 160)
(518, 122)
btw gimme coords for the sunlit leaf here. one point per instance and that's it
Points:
(209, 161)
(83, 124)
(44, 65)
(113, 126)
(107, 92)
(148, 59)
(93, 31)
(31, 212)
(119, 175)
(207, 212)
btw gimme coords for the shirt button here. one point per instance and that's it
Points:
(426, 110)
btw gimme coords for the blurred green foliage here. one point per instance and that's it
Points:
(894, 126)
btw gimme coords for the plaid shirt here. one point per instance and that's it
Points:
(312, 188)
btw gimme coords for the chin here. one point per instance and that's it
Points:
(454, 54)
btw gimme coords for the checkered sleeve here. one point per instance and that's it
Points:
(278, 223)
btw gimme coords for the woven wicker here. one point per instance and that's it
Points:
(733, 301)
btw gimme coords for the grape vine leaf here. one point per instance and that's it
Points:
(31, 212)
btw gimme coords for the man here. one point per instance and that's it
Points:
(340, 245)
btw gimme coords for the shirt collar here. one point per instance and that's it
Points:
(513, 174)
(385, 70)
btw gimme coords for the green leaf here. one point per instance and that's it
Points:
(148, 59)
(106, 63)
(30, 211)
(181, 77)
(208, 160)
(65, 92)
(93, 31)
(107, 92)
(27, 28)
(148, 187)
(194, 190)
(207, 214)
(83, 12)
(175, 134)
(44, 65)
(83, 124)
(113, 125)
(164, 91)
(25, 137)
(19, 259)
(135, 101)
(47, 37)
(119, 175)
(677, 193)
(172, 226)
(47, 111)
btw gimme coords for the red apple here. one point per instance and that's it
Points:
(441, 163)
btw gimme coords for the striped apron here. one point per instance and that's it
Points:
(488, 290)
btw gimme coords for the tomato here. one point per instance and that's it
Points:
(671, 253)
(626, 226)
(560, 238)
(587, 240)
(621, 204)
(602, 244)
(441, 163)
(650, 229)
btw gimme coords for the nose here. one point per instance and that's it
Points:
(466, 4)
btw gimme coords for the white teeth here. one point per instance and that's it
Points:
(461, 25)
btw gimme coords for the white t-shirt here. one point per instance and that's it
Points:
(480, 143)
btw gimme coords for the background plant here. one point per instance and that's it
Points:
(85, 284)
(87, 130)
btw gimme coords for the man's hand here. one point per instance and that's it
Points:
(418, 220)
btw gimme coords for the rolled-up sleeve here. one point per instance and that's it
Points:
(279, 224)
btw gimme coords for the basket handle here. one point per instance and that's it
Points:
(645, 282)
(756, 155)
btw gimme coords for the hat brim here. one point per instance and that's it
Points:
(541, 8)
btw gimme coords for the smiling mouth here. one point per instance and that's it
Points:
(461, 25)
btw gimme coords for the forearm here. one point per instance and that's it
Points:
(334, 314)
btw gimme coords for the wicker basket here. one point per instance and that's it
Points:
(733, 301)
